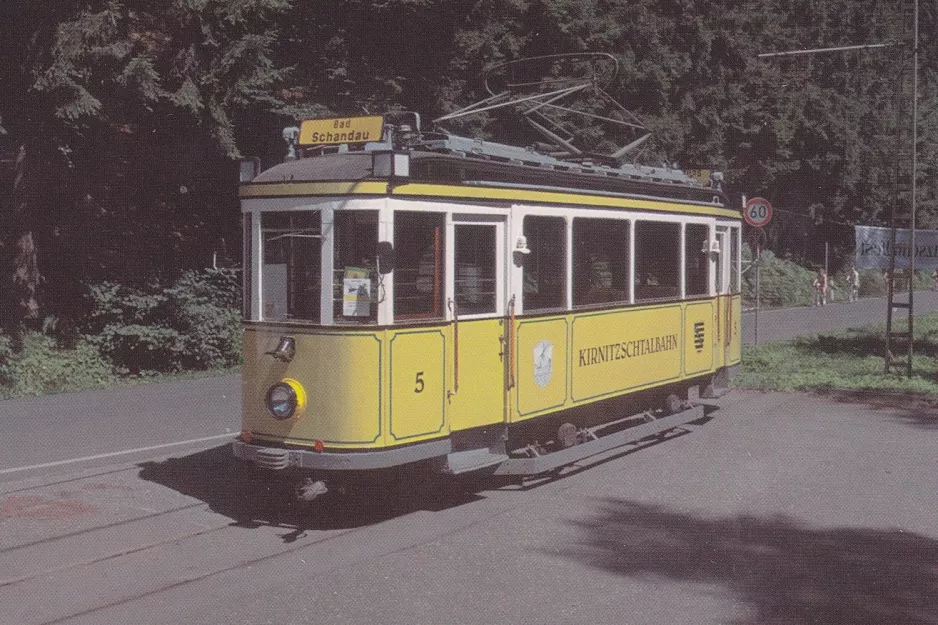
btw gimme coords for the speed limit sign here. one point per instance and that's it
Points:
(758, 212)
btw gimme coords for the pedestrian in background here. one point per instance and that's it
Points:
(820, 288)
(854, 279)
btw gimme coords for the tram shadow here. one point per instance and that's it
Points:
(253, 498)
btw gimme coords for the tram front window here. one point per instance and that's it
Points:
(290, 274)
(356, 287)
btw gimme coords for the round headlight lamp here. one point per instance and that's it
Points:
(285, 398)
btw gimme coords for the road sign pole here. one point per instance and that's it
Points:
(758, 289)
(757, 212)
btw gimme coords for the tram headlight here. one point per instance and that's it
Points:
(285, 398)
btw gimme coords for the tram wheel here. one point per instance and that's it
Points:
(672, 404)
(566, 435)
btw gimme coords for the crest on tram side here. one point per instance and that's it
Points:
(699, 336)
(543, 363)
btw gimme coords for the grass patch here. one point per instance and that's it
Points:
(845, 359)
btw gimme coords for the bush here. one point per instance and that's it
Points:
(785, 284)
(44, 367)
(6, 359)
(206, 312)
(129, 327)
(193, 324)
(782, 282)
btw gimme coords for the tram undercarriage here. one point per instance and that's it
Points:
(542, 448)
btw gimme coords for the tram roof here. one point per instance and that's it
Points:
(459, 169)
(345, 166)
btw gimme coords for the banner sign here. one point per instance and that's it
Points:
(874, 247)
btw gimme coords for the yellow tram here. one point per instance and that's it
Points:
(417, 297)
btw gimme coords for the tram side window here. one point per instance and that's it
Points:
(657, 260)
(545, 268)
(419, 268)
(291, 272)
(600, 261)
(356, 288)
(696, 259)
(475, 284)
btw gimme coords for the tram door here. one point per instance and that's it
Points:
(478, 307)
(724, 288)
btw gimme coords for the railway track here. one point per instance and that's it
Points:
(75, 546)
(122, 543)
(79, 549)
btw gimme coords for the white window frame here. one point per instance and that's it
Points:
(498, 220)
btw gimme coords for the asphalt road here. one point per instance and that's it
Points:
(78, 430)
(780, 508)
(784, 323)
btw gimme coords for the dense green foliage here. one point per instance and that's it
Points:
(120, 122)
(45, 366)
(847, 359)
(119, 119)
(782, 283)
(193, 324)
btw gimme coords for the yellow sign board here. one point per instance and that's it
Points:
(341, 130)
(701, 176)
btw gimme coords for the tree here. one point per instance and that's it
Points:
(122, 116)
(124, 126)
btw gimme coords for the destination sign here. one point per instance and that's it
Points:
(341, 130)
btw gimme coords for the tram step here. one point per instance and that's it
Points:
(563, 457)
(473, 460)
